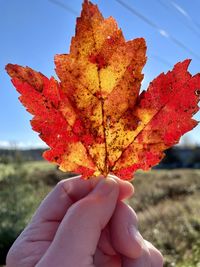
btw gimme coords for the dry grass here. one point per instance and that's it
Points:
(168, 207)
(167, 203)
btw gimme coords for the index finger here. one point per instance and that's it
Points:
(68, 191)
(57, 202)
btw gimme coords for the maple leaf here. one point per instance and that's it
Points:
(93, 119)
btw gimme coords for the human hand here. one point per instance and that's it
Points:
(84, 224)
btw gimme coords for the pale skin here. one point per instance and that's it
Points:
(84, 224)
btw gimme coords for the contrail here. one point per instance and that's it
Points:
(181, 10)
(184, 14)
(161, 31)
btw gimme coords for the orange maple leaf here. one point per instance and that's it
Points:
(94, 120)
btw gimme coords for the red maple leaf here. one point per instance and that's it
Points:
(93, 119)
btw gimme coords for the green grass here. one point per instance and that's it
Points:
(167, 204)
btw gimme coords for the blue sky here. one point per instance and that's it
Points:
(32, 32)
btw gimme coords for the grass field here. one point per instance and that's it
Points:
(168, 207)
(167, 203)
(28, 167)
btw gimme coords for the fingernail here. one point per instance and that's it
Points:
(136, 236)
(105, 186)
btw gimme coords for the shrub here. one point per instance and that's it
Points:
(18, 200)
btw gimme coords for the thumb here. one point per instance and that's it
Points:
(78, 234)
